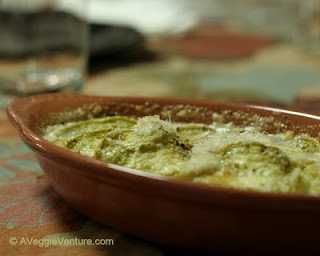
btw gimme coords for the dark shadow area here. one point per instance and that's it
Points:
(116, 46)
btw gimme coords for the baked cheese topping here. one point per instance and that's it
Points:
(217, 154)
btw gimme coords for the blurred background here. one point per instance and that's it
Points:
(259, 51)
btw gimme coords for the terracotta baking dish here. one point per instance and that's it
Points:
(176, 213)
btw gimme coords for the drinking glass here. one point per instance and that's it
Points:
(43, 46)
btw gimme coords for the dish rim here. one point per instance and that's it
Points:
(130, 178)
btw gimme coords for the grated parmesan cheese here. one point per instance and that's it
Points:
(218, 154)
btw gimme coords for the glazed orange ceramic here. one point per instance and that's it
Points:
(176, 213)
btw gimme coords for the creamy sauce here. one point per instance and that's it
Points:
(217, 154)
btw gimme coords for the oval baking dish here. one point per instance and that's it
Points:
(165, 210)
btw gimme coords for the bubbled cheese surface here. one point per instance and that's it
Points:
(217, 154)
